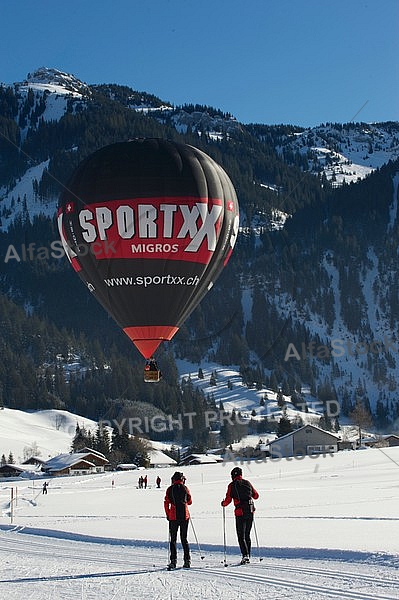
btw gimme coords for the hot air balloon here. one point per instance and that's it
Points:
(148, 225)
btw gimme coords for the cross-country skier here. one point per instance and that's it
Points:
(177, 499)
(243, 495)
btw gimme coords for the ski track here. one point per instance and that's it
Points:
(54, 568)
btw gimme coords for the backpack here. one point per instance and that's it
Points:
(241, 490)
(178, 496)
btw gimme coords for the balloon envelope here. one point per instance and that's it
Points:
(149, 225)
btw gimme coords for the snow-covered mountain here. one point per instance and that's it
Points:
(323, 304)
(44, 96)
(343, 152)
(346, 290)
(54, 81)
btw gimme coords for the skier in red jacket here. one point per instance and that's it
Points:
(243, 495)
(177, 499)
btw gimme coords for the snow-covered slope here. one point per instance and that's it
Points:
(55, 81)
(229, 391)
(325, 529)
(51, 88)
(42, 96)
(47, 432)
(346, 152)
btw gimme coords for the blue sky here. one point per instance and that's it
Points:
(302, 62)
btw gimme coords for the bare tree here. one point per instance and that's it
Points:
(59, 421)
(361, 417)
(32, 450)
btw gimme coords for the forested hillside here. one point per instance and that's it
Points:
(315, 262)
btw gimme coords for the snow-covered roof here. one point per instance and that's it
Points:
(157, 457)
(12, 466)
(34, 460)
(282, 437)
(90, 451)
(20, 468)
(64, 461)
(201, 458)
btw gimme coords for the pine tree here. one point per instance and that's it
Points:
(284, 425)
(280, 399)
(102, 441)
(119, 447)
(139, 451)
(82, 438)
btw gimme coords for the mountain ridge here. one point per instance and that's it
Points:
(327, 270)
(318, 150)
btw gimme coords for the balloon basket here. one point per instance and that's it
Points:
(151, 372)
(152, 376)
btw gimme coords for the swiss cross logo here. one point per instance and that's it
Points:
(69, 207)
(230, 205)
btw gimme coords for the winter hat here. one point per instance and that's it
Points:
(177, 476)
(236, 472)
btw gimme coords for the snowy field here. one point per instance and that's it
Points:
(327, 527)
(43, 433)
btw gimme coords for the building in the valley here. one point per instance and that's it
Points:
(83, 462)
(307, 440)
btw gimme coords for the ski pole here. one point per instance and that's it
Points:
(168, 547)
(224, 536)
(257, 540)
(196, 539)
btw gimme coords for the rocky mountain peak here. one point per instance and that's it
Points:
(52, 76)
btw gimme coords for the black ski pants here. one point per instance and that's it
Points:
(243, 528)
(174, 527)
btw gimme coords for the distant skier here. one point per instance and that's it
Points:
(177, 499)
(45, 486)
(158, 482)
(243, 494)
